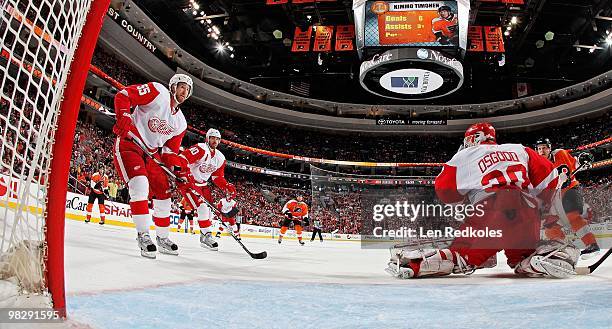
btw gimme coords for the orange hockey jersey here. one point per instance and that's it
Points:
(99, 183)
(564, 158)
(297, 209)
(186, 205)
(448, 28)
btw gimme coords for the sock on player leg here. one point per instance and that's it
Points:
(162, 226)
(581, 227)
(204, 226)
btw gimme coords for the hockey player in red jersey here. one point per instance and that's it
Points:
(508, 181)
(151, 112)
(227, 208)
(204, 162)
(573, 203)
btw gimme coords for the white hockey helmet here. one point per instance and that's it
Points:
(179, 77)
(212, 132)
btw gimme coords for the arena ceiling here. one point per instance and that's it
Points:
(262, 55)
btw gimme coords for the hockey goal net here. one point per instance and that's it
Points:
(46, 46)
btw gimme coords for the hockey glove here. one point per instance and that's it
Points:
(123, 125)
(178, 165)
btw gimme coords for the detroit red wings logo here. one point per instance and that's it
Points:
(207, 168)
(160, 126)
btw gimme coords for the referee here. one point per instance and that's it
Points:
(316, 229)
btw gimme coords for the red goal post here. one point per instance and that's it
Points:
(48, 46)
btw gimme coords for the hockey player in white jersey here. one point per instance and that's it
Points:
(151, 112)
(508, 181)
(228, 208)
(205, 162)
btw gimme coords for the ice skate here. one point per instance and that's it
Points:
(166, 246)
(207, 241)
(147, 247)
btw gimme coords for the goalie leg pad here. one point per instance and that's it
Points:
(427, 263)
(550, 259)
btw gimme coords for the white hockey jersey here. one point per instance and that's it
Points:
(155, 121)
(205, 164)
(475, 171)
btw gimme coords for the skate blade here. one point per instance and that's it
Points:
(168, 252)
(590, 255)
(147, 254)
(205, 246)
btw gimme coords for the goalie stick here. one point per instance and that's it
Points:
(137, 141)
(590, 269)
(586, 270)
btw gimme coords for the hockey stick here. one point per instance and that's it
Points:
(590, 269)
(139, 143)
(586, 270)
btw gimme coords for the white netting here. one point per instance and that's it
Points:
(38, 41)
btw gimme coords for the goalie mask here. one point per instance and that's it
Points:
(479, 133)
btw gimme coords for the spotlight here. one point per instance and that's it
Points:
(592, 50)
(549, 35)
(609, 41)
(507, 33)
(509, 28)
(194, 13)
(513, 20)
(231, 55)
(196, 6)
(208, 21)
(220, 47)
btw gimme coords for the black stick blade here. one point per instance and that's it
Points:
(259, 255)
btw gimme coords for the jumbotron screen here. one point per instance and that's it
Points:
(411, 23)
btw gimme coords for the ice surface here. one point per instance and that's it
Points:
(319, 285)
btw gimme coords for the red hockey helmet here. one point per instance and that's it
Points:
(478, 133)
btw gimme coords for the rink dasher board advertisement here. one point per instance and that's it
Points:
(119, 214)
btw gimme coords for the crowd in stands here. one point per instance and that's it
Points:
(114, 68)
(261, 197)
(354, 147)
(90, 154)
